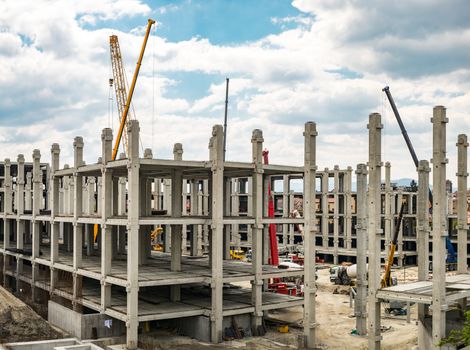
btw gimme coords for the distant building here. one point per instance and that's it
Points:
(449, 186)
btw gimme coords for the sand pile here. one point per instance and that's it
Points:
(18, 322)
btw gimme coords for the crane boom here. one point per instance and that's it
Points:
(131, 91)
(403, 131)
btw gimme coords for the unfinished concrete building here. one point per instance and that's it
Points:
(85, 247)
(441, 298)
(80, 238)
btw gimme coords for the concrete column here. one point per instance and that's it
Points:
(91, 184)
(310, 230)
(360, 306)
(348, 207)
(132, 323)
(122, 212)
(400, 232)
(235, 211)
(8, 188)
(167, 207)
(193, 212)
(324, 206)
(71, 197)
(217, 158)
(388, 207)
(336, 214)
(176, 212)
(184, 228)
(115, 212)
(250, 209)
(439, 224)
(99, 188)
(291, 210)
(227, 187)
(462, 226)
(257, 231)
(55, 226)
(157, 201)
(374, 228)
(266, 246)
(200, 228)
(20, 224)
(285, 208)
(37, 197)
(27, 197)
(77, 227)
(105, 199)
(422, 224)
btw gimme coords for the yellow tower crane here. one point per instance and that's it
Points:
(120, 83)
(120, 88)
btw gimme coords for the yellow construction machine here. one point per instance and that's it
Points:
(237, 254)
(387, 277)
(154, 237)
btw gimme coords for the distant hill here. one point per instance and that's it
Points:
(399, 182)
(403, 182)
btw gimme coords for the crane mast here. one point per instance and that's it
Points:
(120, 83)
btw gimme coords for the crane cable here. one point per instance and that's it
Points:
(153, 82)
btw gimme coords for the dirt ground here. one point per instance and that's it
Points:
(18, 322)
(335, 319)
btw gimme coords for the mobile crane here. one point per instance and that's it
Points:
(451, 259)
(119, 77)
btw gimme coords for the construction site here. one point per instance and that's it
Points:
(137, 252)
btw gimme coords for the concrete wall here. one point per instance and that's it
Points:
(81, 325)
(41, 345)
(198, 327)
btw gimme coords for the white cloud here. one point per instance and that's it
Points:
(54, 80)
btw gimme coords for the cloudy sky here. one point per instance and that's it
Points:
(288, 62)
